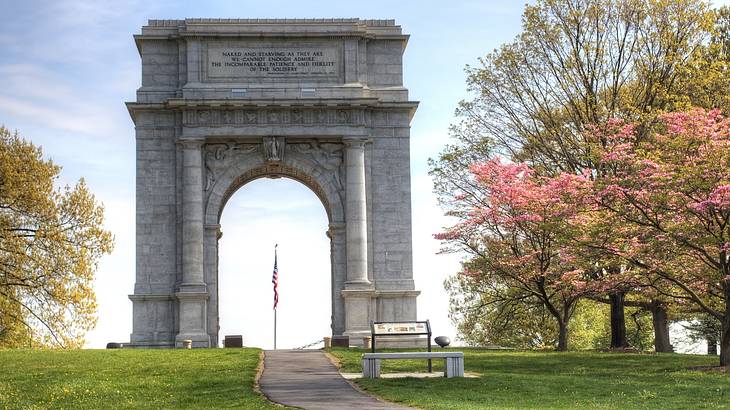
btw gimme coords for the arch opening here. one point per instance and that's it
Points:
(256, 213)
(276, 172)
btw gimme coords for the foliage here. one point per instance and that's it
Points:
(671, 191)
(576, 66)
(130, 379)
(577, 63)
(590, 327)
(704, 328)
(518, 236)
(705, 80)
(519, 324)
(13, 333)
(482, 319)
(542, 380)
(50, 242)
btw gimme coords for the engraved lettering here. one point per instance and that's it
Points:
(233, 62)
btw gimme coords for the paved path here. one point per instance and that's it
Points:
(306, 379)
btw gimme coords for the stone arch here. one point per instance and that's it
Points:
(269, 171)
(203, 134)
(319, 166)
(325, 183)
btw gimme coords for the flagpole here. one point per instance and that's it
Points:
(274, 328)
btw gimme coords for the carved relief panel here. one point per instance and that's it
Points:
(275, 116)
(327, 157)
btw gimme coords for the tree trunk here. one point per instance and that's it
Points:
(618, 321)
(563, 337)
(661, 328)
(711, 346)
(725, 341)
(725, 337)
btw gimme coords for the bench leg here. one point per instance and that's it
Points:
(454, 367)
(371, 368)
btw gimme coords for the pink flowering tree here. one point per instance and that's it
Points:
(517, 227)
(670, 193)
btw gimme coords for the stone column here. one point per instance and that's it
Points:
(212, 235)
(356, 213)
(358, 293)
(192, 293)
(337, 235)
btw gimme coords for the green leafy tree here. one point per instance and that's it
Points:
(488, 313)
(672, 191)
(704, 328)
(576, 65)
(705, 80)
(50, 243)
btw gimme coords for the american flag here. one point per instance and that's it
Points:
(275, 280)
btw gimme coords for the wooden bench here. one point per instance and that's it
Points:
(454, 366)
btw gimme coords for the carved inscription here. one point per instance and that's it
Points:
(232, 62)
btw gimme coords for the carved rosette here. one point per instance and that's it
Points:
(275, 116)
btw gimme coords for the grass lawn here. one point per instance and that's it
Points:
(519, 380)
(129, 378)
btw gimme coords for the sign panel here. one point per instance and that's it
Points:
(400, 327)
(307, 61)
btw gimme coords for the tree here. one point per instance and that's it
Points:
(705, 328)
(50, 243)
(487, 314)
(516, 236)
(577, 64)
(635, 288)
(671, 189)
(705, 80)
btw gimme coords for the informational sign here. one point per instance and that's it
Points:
(234, 62)
(418, 328)
(400, 328)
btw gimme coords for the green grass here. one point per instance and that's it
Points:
(548, 380)
(129, 378)
(224, 378)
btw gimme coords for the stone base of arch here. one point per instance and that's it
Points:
(363, 306)
(193, 311)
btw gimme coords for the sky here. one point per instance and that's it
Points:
(68, 66)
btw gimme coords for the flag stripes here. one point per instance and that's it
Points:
(275, 280)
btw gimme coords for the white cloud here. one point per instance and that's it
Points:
(83, 120)
(34, 81)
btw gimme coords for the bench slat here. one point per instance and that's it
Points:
(412, 355)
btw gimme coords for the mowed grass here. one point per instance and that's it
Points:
(549, 380)
(130, 378)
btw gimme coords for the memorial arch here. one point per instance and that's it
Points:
(227, 101)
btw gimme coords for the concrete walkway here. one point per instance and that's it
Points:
(306, 379)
